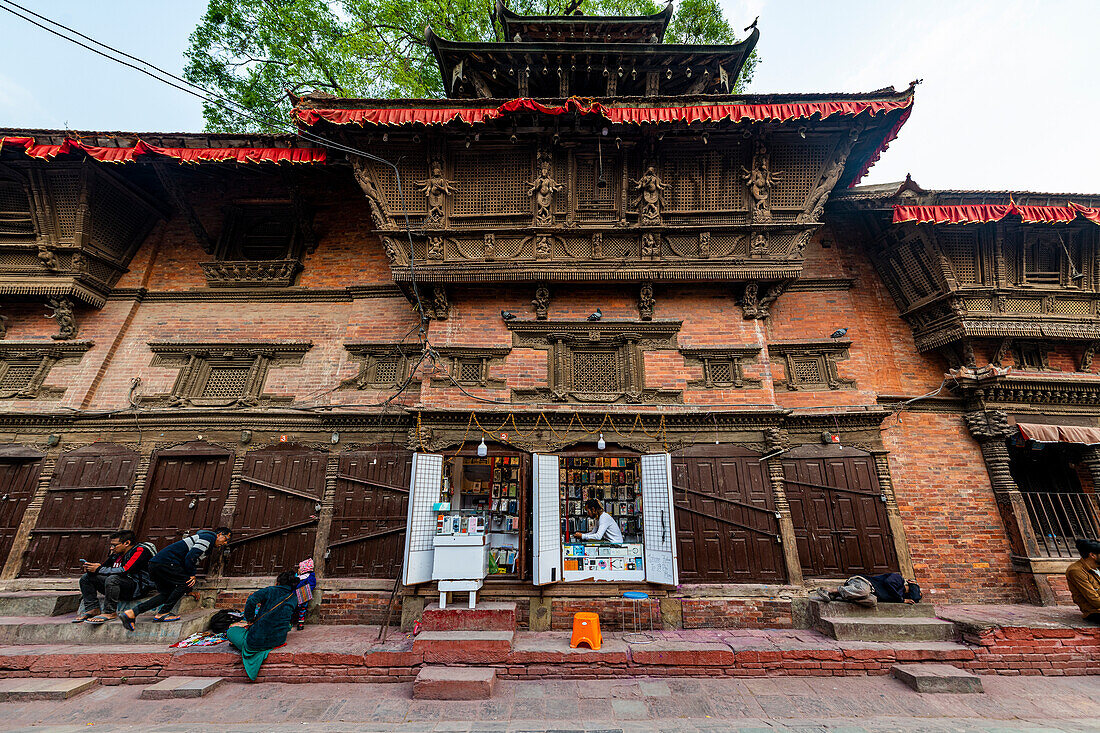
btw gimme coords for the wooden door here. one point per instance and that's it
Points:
(371, 506)
(838, 512)
(83, 506)
(187, 492)
(18, 479)
(727, 531)
(275, 522)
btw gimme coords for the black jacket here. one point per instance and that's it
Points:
(134, 564)
(270, 611)
(188, 552)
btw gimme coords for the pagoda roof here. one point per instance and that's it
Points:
(498, 65)
(887, 195)
(184, 147)
(623, 29)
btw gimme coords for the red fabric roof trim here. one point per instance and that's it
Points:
(622, 115)
(185, 155)
(982, 213)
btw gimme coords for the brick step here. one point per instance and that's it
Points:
(491, 616)
(454, 683)
(840, 609)
(44, 688)
(464, 647)
(61, 630)
(181, 687)
(38, 603)
(887, 629)
(937, 678)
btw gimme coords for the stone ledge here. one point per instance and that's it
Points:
(937, 678)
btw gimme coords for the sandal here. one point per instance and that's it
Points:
(127, 618)
(82, 618)
(166, 619)
(101, 619)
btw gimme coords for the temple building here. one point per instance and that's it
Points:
(592, 271)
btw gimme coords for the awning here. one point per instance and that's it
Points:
(184, 155)
(1059, 434)
(982, 213)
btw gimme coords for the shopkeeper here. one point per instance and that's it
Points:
(608, 530)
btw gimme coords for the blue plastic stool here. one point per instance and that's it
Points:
(636, 636)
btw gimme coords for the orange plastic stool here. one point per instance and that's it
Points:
(586, 629)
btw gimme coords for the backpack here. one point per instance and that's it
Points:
(223, 619)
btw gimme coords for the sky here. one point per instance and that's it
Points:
(1008, 100)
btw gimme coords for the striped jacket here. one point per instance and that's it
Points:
(188, 552)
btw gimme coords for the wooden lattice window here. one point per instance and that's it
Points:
(382, 366)
(812, 365)
(469, 366)
(722, 367)
(226, 382)
(596, 372)
(470, 371)
(24, 368)
(260, 233)
(222, 374)
(16, 217)
(960, 245)
(1043, 260)
(1031, 355)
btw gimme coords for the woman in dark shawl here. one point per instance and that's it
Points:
(267, 617)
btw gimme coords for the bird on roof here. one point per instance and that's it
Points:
(753, 24)
(596, 316)
(839, 333)
(508, 315)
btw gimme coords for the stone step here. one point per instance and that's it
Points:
(937, 678)
(464, 647)
(840, 609)
(454, 683)
(887, 629)
(180, 687)
(61, 630)
(44, 688)
(38, 603)
(485, 617)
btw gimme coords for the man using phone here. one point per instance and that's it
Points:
(173, 570)
(121, 577)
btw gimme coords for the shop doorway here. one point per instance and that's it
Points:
(187, 492)
(84, 503)
(727, 529)
(19, 469)
(838, 511)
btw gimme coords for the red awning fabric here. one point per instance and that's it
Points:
(982, 213)
(185, 155)
(1059, 434)
(618, 115)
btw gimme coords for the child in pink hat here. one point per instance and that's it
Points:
(307, 583)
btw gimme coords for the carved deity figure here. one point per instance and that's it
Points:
(650, 200)
(488, 246)
(704, 244)
(815, 204)
(66, 320)
(374, 198)
(651, 246)
(542, 247)
(758, 246)
(437, 189)
(78, 262)
(597, 245)
(541, 302)
(435, 248)
(760, 180)
(543, 189)
(47, 257)
(440, 305)
(389, 246)
(646, 302)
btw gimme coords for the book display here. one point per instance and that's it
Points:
(492, 486)
(615, 482)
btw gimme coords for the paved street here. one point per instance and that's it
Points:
(851, 705)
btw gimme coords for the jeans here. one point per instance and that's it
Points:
(115, 587)
(171, 582)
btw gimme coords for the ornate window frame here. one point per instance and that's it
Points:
(39, 357)
(824, 355)
(470, 365)
(231, 269)
(714, 361)
(1032, 356)
(375, 361)
(197, 362)
(625, 341)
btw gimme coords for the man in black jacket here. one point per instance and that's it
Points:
(173, 570)
(121, 577)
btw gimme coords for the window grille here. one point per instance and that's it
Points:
(807, 370)
(385, 371)
(17, 377)
(721, 372)
(1043, 262)
(15, 212)
(1031, 356)
(470, 371)
(961, 248)
(225, 382)
(595, 372)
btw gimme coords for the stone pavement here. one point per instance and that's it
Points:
(675, 705)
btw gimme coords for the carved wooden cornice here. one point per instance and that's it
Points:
(259, 294)
(245, 273)
(62, 349)
(230, 348)
(797, 346)
(647, 334)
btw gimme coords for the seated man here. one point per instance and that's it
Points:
(1083, 579)
(121, 577)
(607, 530)
(172, 571)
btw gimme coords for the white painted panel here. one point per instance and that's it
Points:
(658, 517)
(427, 480)
(547, 520)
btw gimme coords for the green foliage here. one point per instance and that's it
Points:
(255, 51)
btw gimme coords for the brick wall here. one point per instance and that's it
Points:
(335, 607)
(737, 613)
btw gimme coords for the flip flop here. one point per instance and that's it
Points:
(166, 619)
(127, 620)
(100, 619)
(81, 619)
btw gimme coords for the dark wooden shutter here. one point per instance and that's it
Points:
(84, 504)
(725, 517)
(187, 492)
(275, 522)
(18, 479)
(368, 525)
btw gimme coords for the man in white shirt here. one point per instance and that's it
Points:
(607, 530)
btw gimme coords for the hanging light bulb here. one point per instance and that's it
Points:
(601, 443)
(482, 449)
